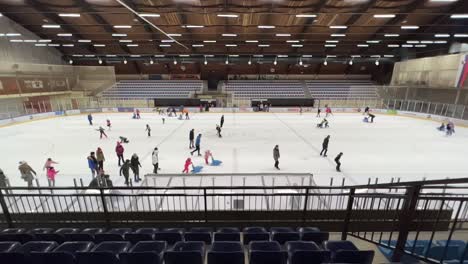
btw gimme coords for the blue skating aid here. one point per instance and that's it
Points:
(216, 163)
(197, 169)
(365, 120)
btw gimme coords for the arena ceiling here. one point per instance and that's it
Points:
(136, 34)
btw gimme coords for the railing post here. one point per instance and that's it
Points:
(6, 213)
(306, 202)
(206, 205)
(104, 207)
(405, 220)
(349, 208)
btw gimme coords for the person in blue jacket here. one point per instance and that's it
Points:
(92, 164)
(90, 119)
(197, 145)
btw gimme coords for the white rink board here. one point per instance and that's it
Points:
(393, 146)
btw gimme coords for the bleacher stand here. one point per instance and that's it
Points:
(254, 89)
(149, 89)
(342, 89)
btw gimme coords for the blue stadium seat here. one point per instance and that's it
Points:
(13, 231)
(281, 230)
(283, 237)
(185, 252)
(98, 238)
(50, 237)
(202, 229)
(173, 229)
(224, 236)
(146, 231)
(78, 237)
(255, 234)
(266, 252)
(53, 258)
(37, 246)
(305, 252)
(308, 229)
(170, 237)
(115, 247)
(228, 230)
(9, 246)
(17, 237)
(96, 258)
(75, 246)
(120, 231)
(41, 231)
(437, 252)
(146, 252)
(14, 257)
(226, 253)
(347, 252)
(317, 237)
(198, 236)
(64, 231)
(135, 237)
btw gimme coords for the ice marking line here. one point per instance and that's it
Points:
(312, 146)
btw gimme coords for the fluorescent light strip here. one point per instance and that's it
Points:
(135, 56)
(412, 42)
(283, 56)
(77, 55)
(16, 40)
(69, 15)
(459, 16)
(50, 26)
(283, 35)
(164, 45)
(297, 45)
(228, 15)
(40, 45)
(251, 41)
(338, 27)
(306, 15)
(421, 46)
(266, 26)
(209, 41)
(409, 27)
(111, 55)
(45, 40)
(263, 45)
(30, 40)
(174, 35)
(126, 41)
(391, 35)
(119, 35)
(167, 40)
(427, 42)
(407, 46)
(68, 45)
(233, 55)
(393, 45)
(461, 35)
(198, 45)
(84, 40)
(13, 34)
(193, 26)
(53, 45)
(122, 26)
(307, 56)
(132, 45)
(184, 55)
(90, 55)
(384, 15)
(231, 45)
(330, 45)
(373, 41)
(229, 35)
(292, 41)
(338, 35)
(332, 41)
(99, 45)
(64, 34)
(440, 42)
(442, 35)
(149, 15)
(362, 45)
(389, 56)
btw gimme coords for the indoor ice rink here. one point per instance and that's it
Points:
(392, 147)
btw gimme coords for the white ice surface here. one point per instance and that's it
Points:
(391, 147)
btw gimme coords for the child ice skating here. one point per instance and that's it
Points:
(221, 123)
(371, 116)
(441, 128)
(138, 114)
(101, 132)
(337, 161)
(48, 164)
(187, 164)
(125, 170)
(51, 173)
(276, 156)
(108, 123)
(124, 139)
(323, 124)
(318, 112)
(119, 150)
(90, 119)
(100, 158)
(208, 155)
(136, 165)
(155, 160)
(328, 112)
(92, 164)
(191, 138)
(325, 146)
(148, 129)
(218, 130)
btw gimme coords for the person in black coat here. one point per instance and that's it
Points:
(135, 163)
(371, 117)
(222, 121)
(125, 170)
(337, 161)
(191, 138)
(325, 146)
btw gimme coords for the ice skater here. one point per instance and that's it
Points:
(119, 150)
(450, 128)
(27, 173)
(208, 155)
(155, 160)
(325, 146)
(441, 128)
(138, 114)
(323, 124)
(180, 117)
(125, 170)
(187, 116)
(337, 161)
(366, 110)
(48, 164)
(90, 119)
(318, 112)
(92, 164)
(136, 165)
(148, 129)
(197, 145)
(221, 123)
(191, 138)
(276, 156)
(187, 164)
(218, 129)
(124, 139)
(371, 116)
(164, 120)
(300, 110)
(328, 112)
(100, 159)
(102, 132)
(109, 125)
(51, 173)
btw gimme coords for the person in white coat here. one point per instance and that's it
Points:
(155, 159)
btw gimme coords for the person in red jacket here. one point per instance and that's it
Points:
(119, 150)
(188, 162)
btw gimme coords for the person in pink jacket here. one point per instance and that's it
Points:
(119, 150)
(49, 162)
(208, 154)
(51, 173)
(188, 162)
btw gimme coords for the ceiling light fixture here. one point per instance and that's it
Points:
(100, 61)
(231, 45)
(69, 15)
(229, 35)
(266, 26)
(149, 15)
(198, 45)
(251, 41)
(391, 35)
(338, 35)
(174, 35)
(64, 34)
(227, 60)
(193, 26)
(325, 62)
(151, 61)
(122, 26)
(283, 35)
(228, 15)
(338, 27)
(297, 45)
(409, 27)
(175, 61)
(300, 61)
(250, 61)
(442, 35)
(263, 46)
(276, 61)
(125, 61)
(206, 61)
(384, 15)
(459, 16)
(209, 41)
(70, 61)
(306, 15)
(377, 63)
(119, 35)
